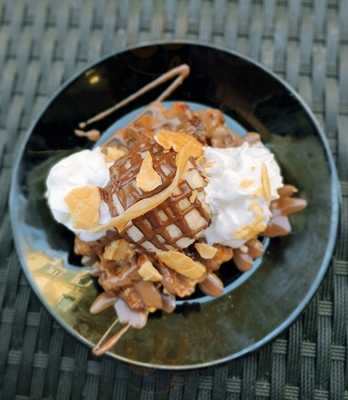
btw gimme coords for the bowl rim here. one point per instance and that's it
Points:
(335, 200)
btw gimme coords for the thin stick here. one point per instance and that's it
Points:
(96, 347)
(111, 342)
(182, 70)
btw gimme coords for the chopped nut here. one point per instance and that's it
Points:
(118, 250)
(176, 140)
(205, 251)
(113, 153)
(147, 271)
(83, 203)
(147, 178)
(182, 264)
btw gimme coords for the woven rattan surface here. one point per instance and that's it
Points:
(42, 44)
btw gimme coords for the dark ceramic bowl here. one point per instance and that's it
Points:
(257, 305)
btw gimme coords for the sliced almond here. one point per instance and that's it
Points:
(177, 140)
(113, 153)
(147, 178)
(265, 182)
(145, 205)
(147, 271)
(182, 264)
(118, 250)
(206, 251)
(83, 203)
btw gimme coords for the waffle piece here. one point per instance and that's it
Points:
(176, 222)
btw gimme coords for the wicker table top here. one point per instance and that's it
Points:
(42, 43)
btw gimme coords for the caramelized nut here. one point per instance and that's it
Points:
(168, 303)
(255, 248)
(149, 294)
(102, 302)
(289, 205)
(279, 226)
(287, 191)
(212, 286)
(223, 254)
(243, 261)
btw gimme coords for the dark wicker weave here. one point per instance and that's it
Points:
(41, 44)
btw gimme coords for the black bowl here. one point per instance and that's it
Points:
(256, 306)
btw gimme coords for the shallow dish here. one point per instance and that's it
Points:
(257, 305)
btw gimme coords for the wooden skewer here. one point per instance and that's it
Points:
(96, 347)
(100, 349)
(182, 71)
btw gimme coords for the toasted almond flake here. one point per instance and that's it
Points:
(147, 178)
(145, 205)
(245, 183)
(193, 196)
(177, 140)
(182, 264)
(266, 185)
(118, 250)
(113, 153)
(149, 273)
(206, 251)
(83, 203)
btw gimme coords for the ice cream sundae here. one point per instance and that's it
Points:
(159, 207)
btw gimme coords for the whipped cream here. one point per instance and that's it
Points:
(234, 192)
(84, 168)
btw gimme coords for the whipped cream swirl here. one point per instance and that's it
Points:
(234, 192)
(84, 168)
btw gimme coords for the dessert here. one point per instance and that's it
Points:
(159, 207)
